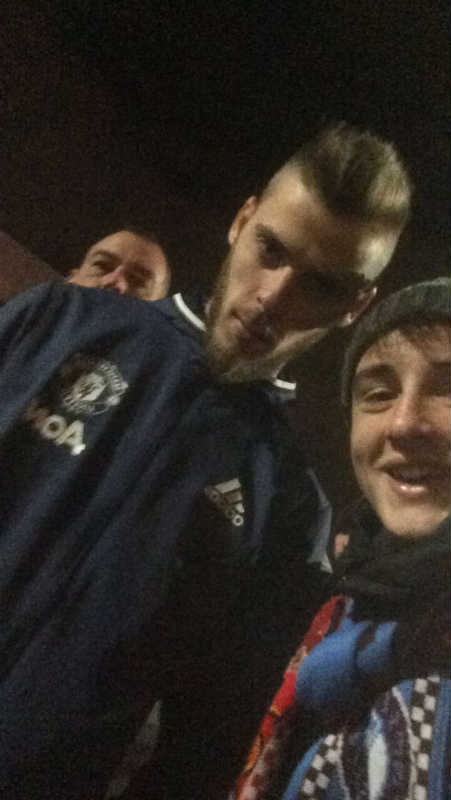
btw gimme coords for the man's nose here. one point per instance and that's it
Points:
(276, 287)
(117, 279)
(411, 417)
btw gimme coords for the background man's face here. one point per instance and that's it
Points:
(294, 270)
(127, 263)
(400, 437)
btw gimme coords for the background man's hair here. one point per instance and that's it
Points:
(355, 173)
(417, 306)
(137, 230)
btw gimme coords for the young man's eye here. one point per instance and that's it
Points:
(379, 395)
(376, 397)
(271, 252)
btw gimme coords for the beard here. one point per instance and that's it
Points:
(226, 363)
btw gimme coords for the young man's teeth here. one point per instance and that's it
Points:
(413, 475)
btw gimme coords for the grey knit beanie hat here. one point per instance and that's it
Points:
(420, 303)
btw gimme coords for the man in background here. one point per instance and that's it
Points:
(129, 262)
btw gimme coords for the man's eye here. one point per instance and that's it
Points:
(318, 283)
(440, 384)
(379, 395)
(137, 280)
(271, 252)
(101, 266)
(375, 397)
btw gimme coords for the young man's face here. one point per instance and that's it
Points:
(126, 263)
(400, 436)
(294, 270)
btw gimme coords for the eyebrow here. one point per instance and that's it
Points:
(104, 254)
(384, 371)
(373, 372)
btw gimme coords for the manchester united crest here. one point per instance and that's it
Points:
(90, 385)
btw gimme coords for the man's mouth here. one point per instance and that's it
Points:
(255, 333)
(415, 479)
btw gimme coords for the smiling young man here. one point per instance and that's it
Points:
(160, 532)
(375, 692)
(381, 683)
(127, 262)
(400, 440)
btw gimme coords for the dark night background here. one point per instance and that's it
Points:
(169, 115)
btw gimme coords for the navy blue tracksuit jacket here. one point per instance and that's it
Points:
(157, 538)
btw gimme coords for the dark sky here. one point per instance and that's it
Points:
(170, 114)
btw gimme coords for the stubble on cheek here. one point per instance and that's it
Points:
(218, 351)
(227, 363)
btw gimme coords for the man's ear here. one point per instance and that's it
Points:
(162, 281)
(244, 214)
(362, 301)
(160, 273)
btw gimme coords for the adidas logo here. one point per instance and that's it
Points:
(228, 496)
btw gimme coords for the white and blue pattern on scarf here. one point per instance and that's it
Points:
(383, 756)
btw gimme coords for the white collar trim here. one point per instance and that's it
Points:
(198, 323)
(288, 386)
(187, 313)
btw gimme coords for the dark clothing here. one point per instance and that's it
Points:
(371, 716)
(152, 523)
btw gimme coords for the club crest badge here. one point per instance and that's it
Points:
(89, 385)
